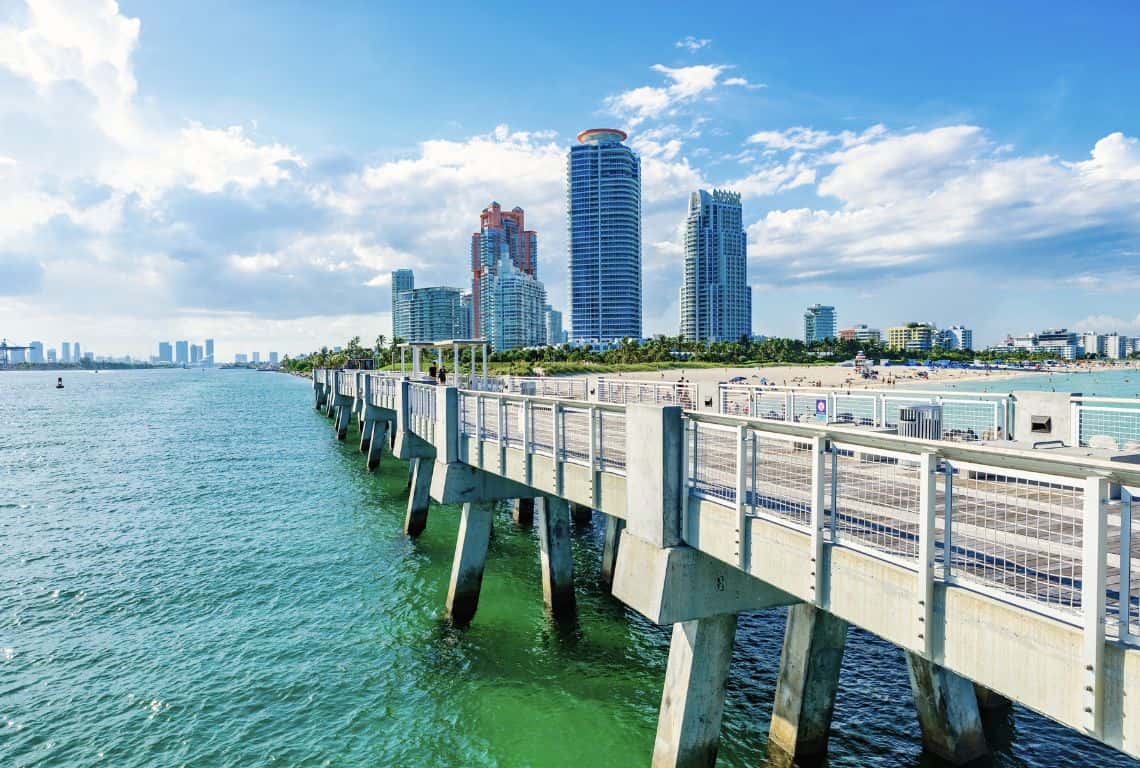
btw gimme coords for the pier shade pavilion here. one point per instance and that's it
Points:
(478, 349)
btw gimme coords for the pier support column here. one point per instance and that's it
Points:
(522, 512)
(947, 712)
(366, 428)
(989, 701)
(692, 702)
(343, 414)
(554, 555)
(805, 689)
(470, 558)
(581, 514)
(419, 496)
(376, 443)
(614, 527)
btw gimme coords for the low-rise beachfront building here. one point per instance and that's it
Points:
(912, 337)
(862, 334)
(956, 337)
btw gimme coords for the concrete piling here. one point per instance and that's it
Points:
(419, 496)
(366, 427)
(343, 415)
(990, 701)
(805, 688)
(581, 514)
(554, 555)
(614, 527)
(692, 702)
(470, 559)
(376, 444)
(522, 512)
(947, 711)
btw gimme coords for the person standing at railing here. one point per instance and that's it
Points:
(442, 376)
(433, 372)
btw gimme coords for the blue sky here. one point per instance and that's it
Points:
(179, 170)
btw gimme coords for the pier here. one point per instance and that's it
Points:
(999, 553)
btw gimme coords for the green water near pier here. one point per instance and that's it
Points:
(194, 572)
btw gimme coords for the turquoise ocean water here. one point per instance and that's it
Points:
(193, 572)
(1098, 382)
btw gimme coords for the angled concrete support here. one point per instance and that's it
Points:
(990, 701)
(581, 514)
(681, 583)
(522, 512)
(692, 702)
(805, 689)
(367, 426)
(343, 415)
(947, 711)
(470, 558)
(377, 442)
(419, 497)
(554, 555)
(614, 527)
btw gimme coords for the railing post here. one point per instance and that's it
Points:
(502, 406)
(556, 434)
(528, 438)
(446, 430)
(595, 428)
(479, 429)
(1075, 423)
(741, 506)
(1094, 562)
(1125, 601)
(815, 568)
(948, 523)
(927, 534)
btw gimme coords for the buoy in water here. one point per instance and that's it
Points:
(59, 383)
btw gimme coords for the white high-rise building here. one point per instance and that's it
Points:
(516, 308)
(956, 337)
(36, 352)
(716, 300)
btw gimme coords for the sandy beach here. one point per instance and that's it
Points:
(824, 376)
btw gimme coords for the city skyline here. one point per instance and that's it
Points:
(274, 222)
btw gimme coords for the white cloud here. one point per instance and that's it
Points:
(685, 84)
(942, 198)
(743, 83)
(692, 44)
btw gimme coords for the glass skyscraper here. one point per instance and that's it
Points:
(819, 323)
(603, 206)
(716, 300)
(402, 280)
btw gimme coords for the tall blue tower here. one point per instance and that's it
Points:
(603, 206)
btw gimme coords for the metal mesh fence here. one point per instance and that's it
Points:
(514, 411)
(466, 414)
(779, 477)
(856, 410)
(611, 441)
(1097, 425)
(575, 435)
(712, 459)
(877, 500)
(891, 405)
(542, 429)
(770, 405)
(1017, 533)
(970, 420)
(490, 419)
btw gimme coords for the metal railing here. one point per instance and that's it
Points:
(966, 417)
(571, 431)
(563, 388)
(346, 383)
(625, 391)
(381, 390)
(421, 410)
(1038, 531)
(1106, 422)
